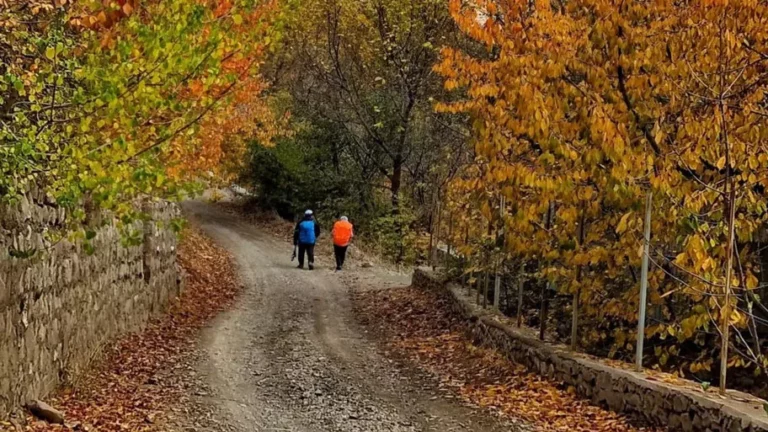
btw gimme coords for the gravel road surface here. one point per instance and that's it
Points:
(290, 357)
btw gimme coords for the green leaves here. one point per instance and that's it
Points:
(101, 114)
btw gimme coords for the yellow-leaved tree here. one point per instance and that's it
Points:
(581, 109)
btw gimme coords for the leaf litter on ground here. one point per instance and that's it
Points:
(419, 325)
(139, 378)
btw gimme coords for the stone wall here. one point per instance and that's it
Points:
(61, 301)
(680, 405)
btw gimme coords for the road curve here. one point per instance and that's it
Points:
(289, 356)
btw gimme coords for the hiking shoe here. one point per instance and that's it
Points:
(300, 267)
(311, 267)
(338, 268)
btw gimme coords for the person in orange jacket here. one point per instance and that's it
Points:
(342, 234)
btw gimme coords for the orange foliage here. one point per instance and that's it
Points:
(222, 140)
(106, 16)
(240, 111)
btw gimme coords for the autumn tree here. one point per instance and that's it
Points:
(107, 100)
(590, 105)
(366, 68)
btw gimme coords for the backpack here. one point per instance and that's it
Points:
(307, 232)
(342, 233)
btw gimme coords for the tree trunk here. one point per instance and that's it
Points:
(544, 311)
(396, 181)
(449, 239)
(726, 309)
(545, 289)
(575, 306)
(436, 250)
(521, 284)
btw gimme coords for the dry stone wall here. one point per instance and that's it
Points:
(60, 301)
(680, 406)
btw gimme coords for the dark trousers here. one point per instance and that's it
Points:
(340, 252)
(310, 251)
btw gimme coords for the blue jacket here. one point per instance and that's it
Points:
(306, 231)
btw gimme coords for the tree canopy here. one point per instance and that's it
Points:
(585, 109)
(113, 100)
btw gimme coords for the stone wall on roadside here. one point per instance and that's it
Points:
(60, 301)
(679, 405)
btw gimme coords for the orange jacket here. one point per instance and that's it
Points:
(342, 233)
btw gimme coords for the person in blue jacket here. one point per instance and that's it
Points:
(305, 235)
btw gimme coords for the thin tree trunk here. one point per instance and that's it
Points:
(485, 288)
(431, 251)
(395, 183)
(544, 311)
(499, 259)
(730, 195)
(449, 239)
(437, 234)
(575, 306)
(546, 287)
(521, 284)
(479, 286)
(726, 310)
(497, 284)
(467, 260)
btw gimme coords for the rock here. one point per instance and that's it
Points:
(45, 412)
(366, 265)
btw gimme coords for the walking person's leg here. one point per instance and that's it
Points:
(311, 255)
(302, 249)
(342, 255)
(337, 254)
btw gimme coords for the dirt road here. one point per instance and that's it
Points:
(290, 357)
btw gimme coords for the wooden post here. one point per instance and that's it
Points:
(643, 284)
